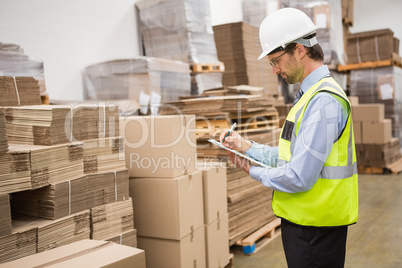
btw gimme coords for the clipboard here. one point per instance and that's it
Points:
(217, 143)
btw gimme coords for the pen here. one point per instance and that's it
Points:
(230, 131)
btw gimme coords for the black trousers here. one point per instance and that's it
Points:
(314, 247)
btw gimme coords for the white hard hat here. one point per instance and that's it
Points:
(285, 26)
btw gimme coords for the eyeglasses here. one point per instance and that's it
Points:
(272, 62)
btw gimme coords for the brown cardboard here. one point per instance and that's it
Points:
(378, 155)
(214, 182)
(167, 208)
(385, 87)
(377, 132)
(159, 146)
(357, 130)
(368, 112)
(85, 253)
(375, 45)
(217, 242)
(5, 212)
(184, 253)
(354, 100)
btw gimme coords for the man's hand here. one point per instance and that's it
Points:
(235, 141)
(239, 161)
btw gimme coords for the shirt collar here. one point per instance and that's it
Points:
(314, 77)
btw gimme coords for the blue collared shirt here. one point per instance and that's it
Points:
(323, 122)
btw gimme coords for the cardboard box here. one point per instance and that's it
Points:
(357, 131)
(385, 87)
(368, 112)
(214, 182)
(167, 208)
(354, 100)
(85, 253)
(377, 132)
(370, 46)
(378, 155)
(159, 146)
(217, 242)
(184, 253)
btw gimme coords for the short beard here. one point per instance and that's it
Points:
(292, 79)
(293, 75)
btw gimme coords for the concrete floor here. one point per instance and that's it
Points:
(375, 241)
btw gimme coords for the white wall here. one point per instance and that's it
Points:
(374, 15)
(225, 11)
(68, 35)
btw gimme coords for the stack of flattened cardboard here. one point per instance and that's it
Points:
(128, 238)
(50, 164)
(38, 125)
(103, 154)
(3, 133)
(249, 204)
(220, 105)
(238, 48)
(14, 173)
(87, 126)
(21, 243)
(27, 167)
(371, 46)
(187, 37)
(146, 80)
(72, 196)
(5, 212)
(56, 124)
(107, 187)
(112, 219)
(53, 201)
(108, 121)
(19, 91)
(56, 233)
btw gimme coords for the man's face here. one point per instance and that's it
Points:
(286, 65)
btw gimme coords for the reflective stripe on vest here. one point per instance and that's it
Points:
(332, 201)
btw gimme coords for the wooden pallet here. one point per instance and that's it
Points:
(248, 124)
(371, 170)
(218, 67)
(393, 168)
(258, 239)
(396, 60)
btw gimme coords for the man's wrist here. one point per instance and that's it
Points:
(246, 145)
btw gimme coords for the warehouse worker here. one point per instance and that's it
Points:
(313, 171)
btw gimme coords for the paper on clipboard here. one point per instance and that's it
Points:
(238, 153)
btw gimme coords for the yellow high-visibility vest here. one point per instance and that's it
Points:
(333, 200)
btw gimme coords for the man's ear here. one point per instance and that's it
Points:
(300, 50)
